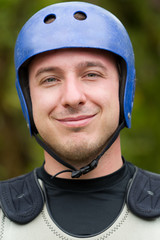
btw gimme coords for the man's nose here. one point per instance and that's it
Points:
(73, 93)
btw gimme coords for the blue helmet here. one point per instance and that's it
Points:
(74, 25)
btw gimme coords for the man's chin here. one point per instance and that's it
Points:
(79, 157)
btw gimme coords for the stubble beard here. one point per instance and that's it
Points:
(79, 150)
(79, 154)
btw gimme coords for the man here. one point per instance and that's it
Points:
(76, 82)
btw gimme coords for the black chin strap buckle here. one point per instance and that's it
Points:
(85, 170)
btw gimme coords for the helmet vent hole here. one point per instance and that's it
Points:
(80, 16)
(50, 18)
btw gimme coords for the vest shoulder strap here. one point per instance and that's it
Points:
(21, 198)
(143, 197)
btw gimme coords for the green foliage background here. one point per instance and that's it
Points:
(19, 153)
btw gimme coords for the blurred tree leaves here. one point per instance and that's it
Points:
(18, 152)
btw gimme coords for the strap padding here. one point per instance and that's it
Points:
(143, 197)
(21, 198)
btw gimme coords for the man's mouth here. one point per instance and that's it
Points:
(78, 121)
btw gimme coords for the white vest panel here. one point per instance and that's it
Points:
(126, 227)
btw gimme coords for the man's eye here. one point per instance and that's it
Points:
(51, 79)
(92, 75)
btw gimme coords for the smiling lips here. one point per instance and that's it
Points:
(79, 121)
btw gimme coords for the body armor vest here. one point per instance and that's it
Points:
(24, 212)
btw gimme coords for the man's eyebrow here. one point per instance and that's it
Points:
(80, 65)
(47, 69)
(91, 64)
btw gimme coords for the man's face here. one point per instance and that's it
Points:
(75, 101)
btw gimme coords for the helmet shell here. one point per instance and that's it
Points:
(99, 29)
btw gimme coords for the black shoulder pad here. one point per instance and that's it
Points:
(21, 198)
(143, 197)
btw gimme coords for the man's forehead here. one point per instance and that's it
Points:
(76, 51)
(87, 57)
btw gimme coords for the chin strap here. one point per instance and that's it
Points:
(76, 173)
